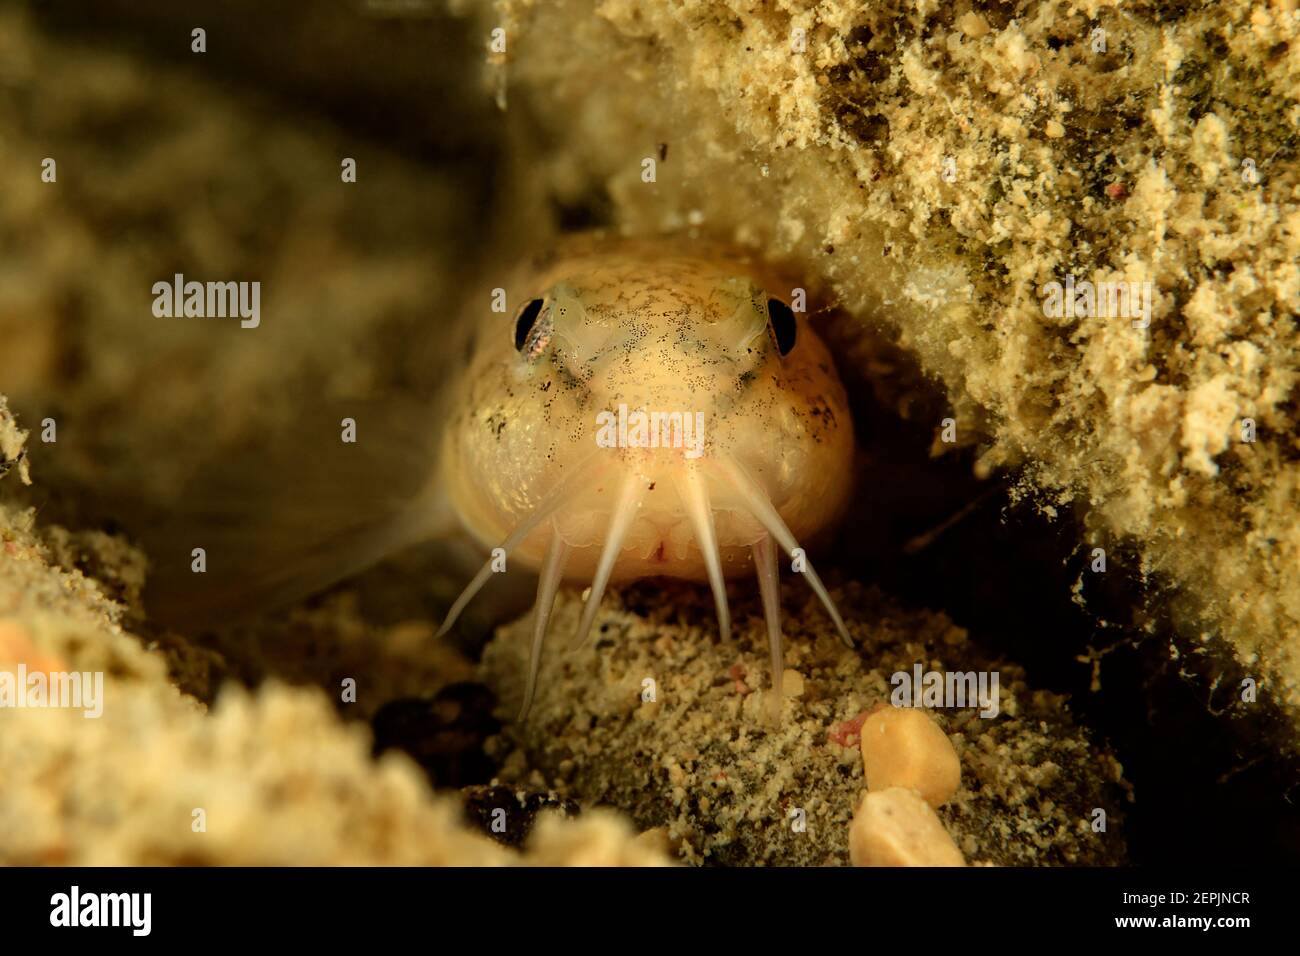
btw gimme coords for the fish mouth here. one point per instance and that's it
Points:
(665, 536)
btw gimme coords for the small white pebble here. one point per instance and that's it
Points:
(895, 827)
(904, 747)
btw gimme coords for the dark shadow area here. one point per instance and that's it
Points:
(412, 82)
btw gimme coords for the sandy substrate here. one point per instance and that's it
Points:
(702, 764)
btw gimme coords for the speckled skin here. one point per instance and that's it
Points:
(658, 325)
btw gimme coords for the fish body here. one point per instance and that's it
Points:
(651, 407)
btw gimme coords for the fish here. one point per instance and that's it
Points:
(619, 408)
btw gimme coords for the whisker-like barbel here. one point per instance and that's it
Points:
(548, 583)
(629, 496)
(770, 591)
(761, 508)
(558, 496)
(695, 500)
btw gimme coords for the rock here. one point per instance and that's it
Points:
(895, 827)
(904, 747)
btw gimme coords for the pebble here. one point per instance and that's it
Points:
(895, 827)
(904, 747)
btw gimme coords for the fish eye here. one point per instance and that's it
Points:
(782, 323)
(525, 321)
